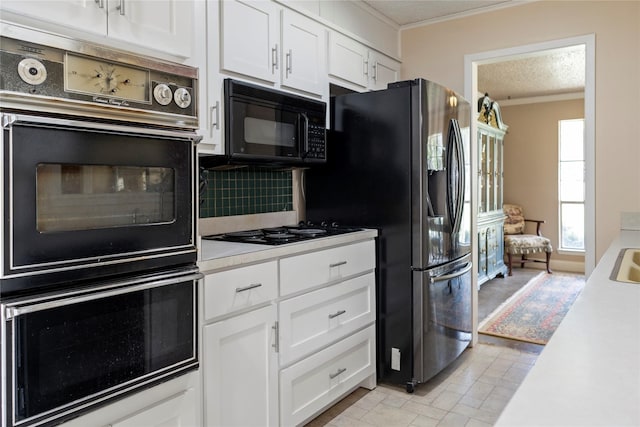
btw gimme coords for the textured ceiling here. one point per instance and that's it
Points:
(553, 72)
(560, 71)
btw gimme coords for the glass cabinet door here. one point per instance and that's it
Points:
(491, 189)
(482, 173)
(499, 173)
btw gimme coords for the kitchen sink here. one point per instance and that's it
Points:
(627, 267)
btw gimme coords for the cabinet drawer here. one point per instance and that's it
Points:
(232, 290)
(301, 272)
(317, 381)
(311, 321)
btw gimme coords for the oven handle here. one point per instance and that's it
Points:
(9, 120)
(123, 288)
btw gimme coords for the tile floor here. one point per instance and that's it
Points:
(472, 391)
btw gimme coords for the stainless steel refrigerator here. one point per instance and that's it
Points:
(398, 161)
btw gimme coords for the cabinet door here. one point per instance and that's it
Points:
(384, 70)
(241, 371)
(482, 255)
(176, 411)
(249, 38)
(348, 59)
(174, 403)
(304, 47)
(87, 15)
(162, 25)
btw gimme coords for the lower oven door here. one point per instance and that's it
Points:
(66, 354)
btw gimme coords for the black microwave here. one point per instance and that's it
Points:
(267, 126)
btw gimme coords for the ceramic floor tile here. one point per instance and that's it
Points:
(453, 419)
(386, 416)
(476, 423)
(425, 410)
(345, 421)
(471, 392)
(476, 413)
(479, 390)
(422, 421)
(447, 400)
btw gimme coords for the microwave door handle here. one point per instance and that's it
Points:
(305, 134)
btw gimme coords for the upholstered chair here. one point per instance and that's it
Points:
(516, 242)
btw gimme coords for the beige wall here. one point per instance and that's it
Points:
(531, 164)
(437, 52)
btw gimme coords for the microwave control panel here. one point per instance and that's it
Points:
(317, 144)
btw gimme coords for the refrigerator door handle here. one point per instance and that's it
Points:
(455, 201)
(458, 273)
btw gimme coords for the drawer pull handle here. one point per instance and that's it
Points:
(337, 313)
(337, 264)
(338, 372)
(248, 288)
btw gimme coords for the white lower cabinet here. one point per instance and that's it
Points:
(241, 370)
(319, 380)
(286, 338)
(167, 413)
(174, 403)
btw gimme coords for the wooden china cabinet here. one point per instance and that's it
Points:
(491, 132)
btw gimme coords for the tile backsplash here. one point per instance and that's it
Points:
(244, 191)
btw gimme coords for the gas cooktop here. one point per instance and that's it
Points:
(284, 234)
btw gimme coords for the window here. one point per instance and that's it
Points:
(572, 184)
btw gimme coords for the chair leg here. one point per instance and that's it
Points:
(509, 261)
(548, 260)
(523, 260)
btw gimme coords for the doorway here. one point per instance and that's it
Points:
(472, 62)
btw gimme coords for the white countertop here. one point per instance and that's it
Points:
(589, 372)
(215, 255)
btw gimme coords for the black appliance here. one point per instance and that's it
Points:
(283, 235)
(65, 353)
(104, 199)
(270, 127)
(400, 163)
(98, 274)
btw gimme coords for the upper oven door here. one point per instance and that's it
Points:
(76, 195)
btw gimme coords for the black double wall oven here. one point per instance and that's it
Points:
(98, 276)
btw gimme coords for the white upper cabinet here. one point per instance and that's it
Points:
(348, 59)
(85, 15)
(261, 40)
(359, 67)
(304, 47)
(250, 38)
(384, 70)
(164, 25)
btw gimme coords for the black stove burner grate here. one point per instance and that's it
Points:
(282, 235)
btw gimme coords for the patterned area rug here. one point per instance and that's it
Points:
(534, 312)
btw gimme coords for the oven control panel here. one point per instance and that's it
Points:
(70, 77)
